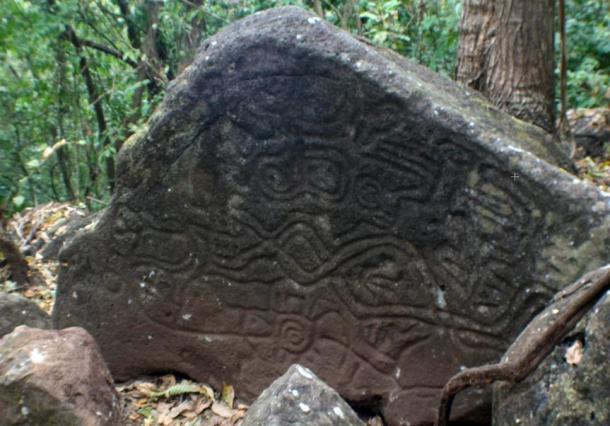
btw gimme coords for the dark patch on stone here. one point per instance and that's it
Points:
(302, 197)
(17, 310)
(591, 130)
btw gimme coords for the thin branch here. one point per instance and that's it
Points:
(93, 100)
(564, 130)
(108, 50)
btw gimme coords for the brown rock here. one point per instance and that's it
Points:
(302, 197)
(17, 310)
(55, 378)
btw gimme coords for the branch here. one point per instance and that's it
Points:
(108, 50)
(534, 343)
(93, 100)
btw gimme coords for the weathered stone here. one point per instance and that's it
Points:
(55, 378)
(303, 197)
(300, 398)
(571, 387)
(17, 310)
(63, 231)
(591, 130)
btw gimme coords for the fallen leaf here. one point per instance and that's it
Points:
(202, 404)
(183, 388)
(180, 408)
(163, 410)
(228, 395)
(168, 381)
(146, 412)
(574, 353)
(213, 421)
(220, 409)
(374, 421)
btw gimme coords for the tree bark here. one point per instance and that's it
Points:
(506, 52)
(95, 102)
(63, 156)
(14, 259)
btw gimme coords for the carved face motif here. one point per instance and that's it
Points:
(315, 221)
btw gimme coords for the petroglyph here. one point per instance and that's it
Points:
(288, 207)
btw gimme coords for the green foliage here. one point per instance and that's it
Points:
(426, 31)
(588, 34)
(52, 143)
(183, 388)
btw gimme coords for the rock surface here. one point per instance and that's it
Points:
(303, 197)
(300, 398)
(571, 387)
(17, 310)
(591, 130)
(63, 231)
(55, 378)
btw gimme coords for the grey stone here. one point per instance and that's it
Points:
(572, 385)
(63, 231)
(300, 398)
(591, 130)
(55, 378)
(17, 310)
(303, 197)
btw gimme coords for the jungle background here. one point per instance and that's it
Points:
(78, 77)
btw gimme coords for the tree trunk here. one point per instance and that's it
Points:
(63, 156)
(506, 52)
(95, 102)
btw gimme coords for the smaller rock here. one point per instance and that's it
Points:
(63, 232)
(591, 130)
(55, 377)
(299, 397)
(17, 310)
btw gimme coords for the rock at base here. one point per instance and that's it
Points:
(55, 377)
(17, 310)
(298, 398)
(571, 387)
(591, 130)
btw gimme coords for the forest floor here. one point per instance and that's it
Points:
(164, 400)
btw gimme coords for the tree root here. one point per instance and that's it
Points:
(534, 343)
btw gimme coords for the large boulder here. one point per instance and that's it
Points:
(303, 197)
(300, 398)
(572, 385)
(17, 310)
(55, 378)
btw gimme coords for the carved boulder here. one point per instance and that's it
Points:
(303, 197)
